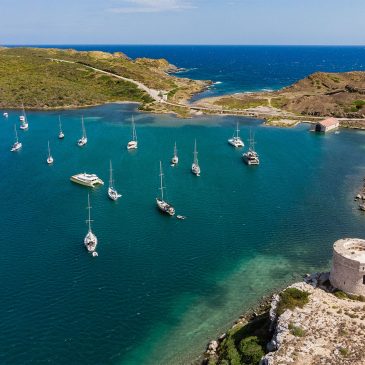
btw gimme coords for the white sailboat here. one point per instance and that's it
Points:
(163, 205)
(5, 115)
(133, 144)
(61, 135)
(23, 120)
(175, 158)
(236, 140)
(195, 168)
(112, 192)
(49, 158)
(83, 140)
(17, 145)
(251, 157)
(90, 240)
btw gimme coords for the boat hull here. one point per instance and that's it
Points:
(90, 242)
(82, 142)
(132, 145)
(113, 194)
(76, 180)
(195, 169)
(165, 207)
(250, 160)
(236, 142)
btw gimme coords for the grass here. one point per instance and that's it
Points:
(291, 298)
(238, 103)
(296, 331)
(30, 75)
(342, 295)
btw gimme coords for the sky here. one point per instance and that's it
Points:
(247, 22)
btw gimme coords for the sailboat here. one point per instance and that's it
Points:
(133, 144)
(23, 120)
(5, 115)
(112, 192)
(163, 205)
(17, 145)
(49, 158)
(90, 240)
(195, 168)
(175, 158)
(251, 157)
(83, 140)
(61, 135)
(236, 141)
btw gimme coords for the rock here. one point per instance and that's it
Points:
(212, 346)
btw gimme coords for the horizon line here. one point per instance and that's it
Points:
(182, 45)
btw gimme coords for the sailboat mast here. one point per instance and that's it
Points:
(237, 131)
(111, 175)
(161, 180)
(134, 134)
(83, 127)
(16, 134)
(175, 150)
(89, 208)
(195, 154)
(25, 117)
(59, 122)
(49, 151)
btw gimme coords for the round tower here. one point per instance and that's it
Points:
(348, 266)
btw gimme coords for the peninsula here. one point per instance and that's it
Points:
(49, 78)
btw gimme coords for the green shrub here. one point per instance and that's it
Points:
(296, 331)
(291, 298)
(251, 350)
(344, 352)
(230, 352)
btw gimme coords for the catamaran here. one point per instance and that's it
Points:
(133, 144)
(195, 168)
(23, 120)
(49, 158)
(112, 192)
(83, 140)
(90, 240)
(163, 205)
(251, 157)
(236, 141)
(17, 145)
(85, 179)
(61, 135)
(175, 158)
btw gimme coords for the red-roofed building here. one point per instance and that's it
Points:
(327, 125)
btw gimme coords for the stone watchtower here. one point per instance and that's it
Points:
(348, 266)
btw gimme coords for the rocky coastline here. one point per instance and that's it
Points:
(317, 325)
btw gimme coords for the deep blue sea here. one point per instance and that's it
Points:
(160, 287)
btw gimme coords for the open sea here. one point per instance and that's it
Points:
(161, 288)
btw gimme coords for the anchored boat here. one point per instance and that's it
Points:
(236, 140)
(85, 179)
(61, 135)
(49, 158)
(133, 144)
(163, 205)
(23, 120)
(195, 168)
(175, 158)
(112, 192)
(251, 157)
(90, 240)
(83, 140)
(17, 145)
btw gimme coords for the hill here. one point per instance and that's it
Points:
(320, 94)
(54, 78)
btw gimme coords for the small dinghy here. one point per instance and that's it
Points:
(182, 217)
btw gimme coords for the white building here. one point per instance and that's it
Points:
(327, 125)
(348, 266)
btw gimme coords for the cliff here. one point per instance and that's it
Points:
(309, 323)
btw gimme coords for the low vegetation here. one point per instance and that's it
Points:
(291, 298)
(342, 295)
(38, 78)
(246, 344)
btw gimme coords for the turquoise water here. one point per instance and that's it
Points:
(160, 287)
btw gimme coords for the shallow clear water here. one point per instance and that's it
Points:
(160, 287)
